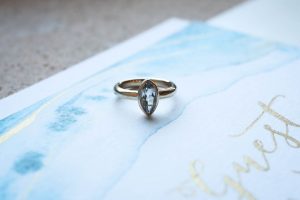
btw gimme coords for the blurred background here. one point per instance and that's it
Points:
(40, 38)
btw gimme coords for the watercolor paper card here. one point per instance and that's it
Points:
(231, 131)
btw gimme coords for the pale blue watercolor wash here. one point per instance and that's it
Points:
(12, 120)
(4, 185)
(198, 47)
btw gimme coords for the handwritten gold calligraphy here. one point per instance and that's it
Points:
(236, 183)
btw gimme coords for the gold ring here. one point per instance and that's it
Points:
(148, 91)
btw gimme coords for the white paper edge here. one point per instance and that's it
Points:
(276, 20)
(86, 68)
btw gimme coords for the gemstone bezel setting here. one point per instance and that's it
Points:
(148, 87)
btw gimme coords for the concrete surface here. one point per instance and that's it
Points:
(40, 38)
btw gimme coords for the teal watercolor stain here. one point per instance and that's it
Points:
(96, 98)
(30, 162)
(66, 115)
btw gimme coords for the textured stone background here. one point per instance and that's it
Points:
(40, 38)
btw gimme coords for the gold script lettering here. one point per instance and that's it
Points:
(197, 167)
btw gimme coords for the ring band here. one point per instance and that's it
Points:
(148, 91)
(130, 87)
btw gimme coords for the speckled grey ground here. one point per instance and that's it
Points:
(40, 38)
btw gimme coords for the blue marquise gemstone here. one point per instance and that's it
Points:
(148, 96)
